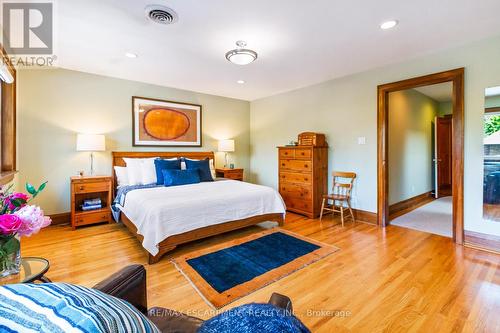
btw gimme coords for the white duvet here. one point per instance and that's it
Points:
(161, 212)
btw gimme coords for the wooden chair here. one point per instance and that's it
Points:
(340, 196)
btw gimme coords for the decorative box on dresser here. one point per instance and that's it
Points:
(303, 178)
(90, 187)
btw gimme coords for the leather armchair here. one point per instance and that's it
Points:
(129, 284)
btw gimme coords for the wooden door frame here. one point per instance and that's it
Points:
(456, 76)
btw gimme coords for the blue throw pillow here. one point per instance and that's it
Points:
(250, 318)
(180, 177)
(161, 164)
(203, 167)
(60, 307)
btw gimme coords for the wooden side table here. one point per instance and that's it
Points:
(90, 187)
(235, 174)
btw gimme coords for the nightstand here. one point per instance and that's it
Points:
(235, 174)
(90, 187)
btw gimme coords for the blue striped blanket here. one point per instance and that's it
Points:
(121, 194)
(59, 307)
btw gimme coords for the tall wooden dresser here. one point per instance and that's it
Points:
(303, 178)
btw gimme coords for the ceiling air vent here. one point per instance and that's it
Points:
(161, 14)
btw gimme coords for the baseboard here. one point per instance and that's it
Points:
(405, 206)
(61, 218)
(365, 216)
(482, 241)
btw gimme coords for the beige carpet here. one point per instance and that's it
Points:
(434, 217)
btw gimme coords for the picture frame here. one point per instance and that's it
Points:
(163, 123)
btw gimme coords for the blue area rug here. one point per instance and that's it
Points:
(237, 268)
(249, 259)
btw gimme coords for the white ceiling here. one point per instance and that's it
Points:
(441, 92)
(299, 42)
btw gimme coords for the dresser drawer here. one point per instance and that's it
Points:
(296, 165)
(90, 218)
(304, 154)
(234, 175)
(295, 177)
(287, 153)
(295, 191)
(298, 204)
(91, 187)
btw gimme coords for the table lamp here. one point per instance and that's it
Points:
(226, 146)
(91, 143)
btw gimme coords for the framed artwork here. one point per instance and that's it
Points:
(157, 122)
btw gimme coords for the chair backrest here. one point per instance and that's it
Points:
(343, 182)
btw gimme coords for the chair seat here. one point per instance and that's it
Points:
(335, 197)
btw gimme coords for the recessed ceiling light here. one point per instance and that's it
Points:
(241, 56)
(131, 55)
(240, 81)
(389, 24)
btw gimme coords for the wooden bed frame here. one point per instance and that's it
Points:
(171, 242)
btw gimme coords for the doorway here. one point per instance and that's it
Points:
(456, 123)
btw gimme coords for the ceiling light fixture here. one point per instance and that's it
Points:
(241, 56)
(389, 24)
(240, 82)
(131, 55)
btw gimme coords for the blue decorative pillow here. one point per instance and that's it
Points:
(203, 167)
(161, 164)
(249, 318)
(180, 177)
(60, 307)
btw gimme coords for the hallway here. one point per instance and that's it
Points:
(434, 217)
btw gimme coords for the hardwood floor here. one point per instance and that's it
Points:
(395, 279)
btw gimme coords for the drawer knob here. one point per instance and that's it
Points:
(305, 166)
(82, 188)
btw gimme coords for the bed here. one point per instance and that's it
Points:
(156, 214)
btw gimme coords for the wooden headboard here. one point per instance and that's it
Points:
(119, 155)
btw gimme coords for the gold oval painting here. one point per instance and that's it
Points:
(165, 124)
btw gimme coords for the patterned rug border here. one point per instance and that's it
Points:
(218, 300)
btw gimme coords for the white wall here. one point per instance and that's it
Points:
(346, 108)
(411, 115)
(54, 105)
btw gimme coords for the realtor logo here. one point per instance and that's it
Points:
(28, 28)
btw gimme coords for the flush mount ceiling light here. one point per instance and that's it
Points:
(130, 55)
(240, 82)
(241, 56)
(389, 24)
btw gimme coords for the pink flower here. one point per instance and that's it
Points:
(33, 220)
(16, 196)
(10, 224)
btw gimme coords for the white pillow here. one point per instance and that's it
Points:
(148, 171)
(140, 171)
(212, 166)
(121, 176)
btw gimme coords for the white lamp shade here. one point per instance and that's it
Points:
(226, 146)
(90, 142)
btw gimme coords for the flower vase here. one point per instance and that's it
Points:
(10, 255)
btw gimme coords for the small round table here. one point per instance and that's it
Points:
(32, 269)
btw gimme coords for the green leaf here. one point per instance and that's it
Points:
(30, 188)
(11, 246)
(40, 189)
(17, 202)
